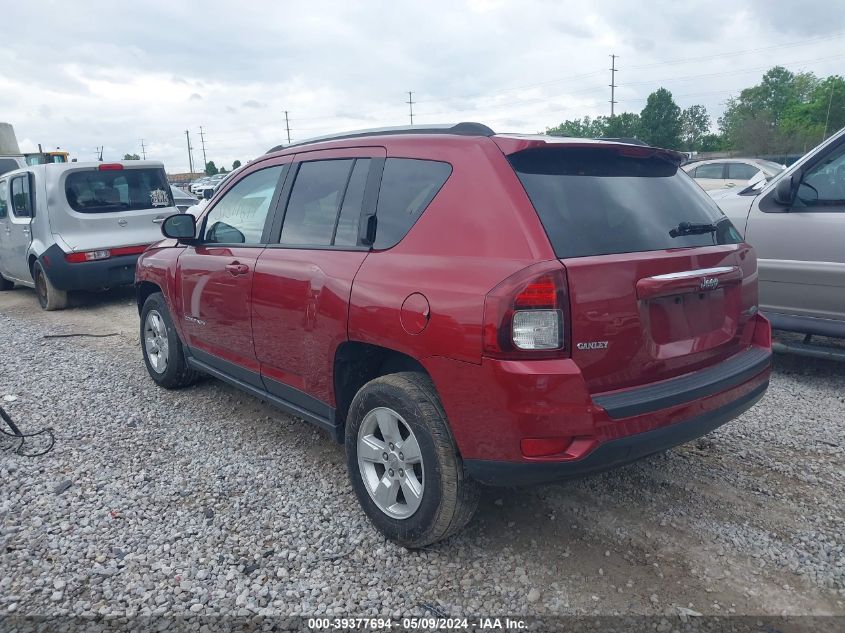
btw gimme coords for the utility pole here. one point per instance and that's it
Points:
(612, 83)
(190, 155)
(410, 103)
(143, 150)
(202, 140)
(829, 103)
(287, 126)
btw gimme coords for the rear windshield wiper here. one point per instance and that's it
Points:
(691, 228)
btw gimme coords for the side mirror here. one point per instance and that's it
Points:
(784, 193)
(207, 193)
(182, 227)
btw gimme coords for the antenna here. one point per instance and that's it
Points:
(410, 103)
(287, 126)
(143, 150)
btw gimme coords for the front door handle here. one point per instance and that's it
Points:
(159, 219)
(237, 268)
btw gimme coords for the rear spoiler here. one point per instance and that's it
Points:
(513, 144)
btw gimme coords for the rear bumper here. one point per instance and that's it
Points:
(613, 453)
(106, 273)
(517, 422)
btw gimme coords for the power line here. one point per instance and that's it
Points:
(410, 103)
(202, 141)
(612, 83)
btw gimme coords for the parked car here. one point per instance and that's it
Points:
(458, 306)
(721, 173)
(77, 226)
(197, 184)
(211, 184)
(182, 199)
(796, 223)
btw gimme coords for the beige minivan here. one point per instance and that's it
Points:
(796, 223)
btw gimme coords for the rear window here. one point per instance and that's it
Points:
(596, 202)
(113, 190)
(7, 165)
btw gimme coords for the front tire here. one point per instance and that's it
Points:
(403, 464)
(49, 297)
(163, 353)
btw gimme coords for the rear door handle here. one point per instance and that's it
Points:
(237, 268)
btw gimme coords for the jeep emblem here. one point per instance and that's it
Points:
(710, 283)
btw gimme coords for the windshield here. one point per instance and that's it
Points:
(597, 202)
(108, 191)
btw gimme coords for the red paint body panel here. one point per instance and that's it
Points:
(215, 303)
(300, 302)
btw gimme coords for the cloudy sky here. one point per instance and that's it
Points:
(84, 74)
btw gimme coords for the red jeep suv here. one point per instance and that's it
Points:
(463, 307)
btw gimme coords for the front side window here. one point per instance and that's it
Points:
(407, 187)
(824, 183)
(116, 190)
(240, 215)
(709, 171)
(21, 197)
(742, 171)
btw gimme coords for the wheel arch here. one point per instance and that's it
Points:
(143, 290)
(357, 363)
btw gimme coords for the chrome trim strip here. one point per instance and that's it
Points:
(694, 273)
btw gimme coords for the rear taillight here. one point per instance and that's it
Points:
(105, 253)
(87, 256)
(527, 315)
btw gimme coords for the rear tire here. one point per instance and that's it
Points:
(49, 297)
(418, 498)
(5, 284)
(163, 352)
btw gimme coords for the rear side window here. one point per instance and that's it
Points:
(742, 171)
(407, 187)
(710, 171)
(114, 190)
(315, 201)
(7, 165)
(597, 202)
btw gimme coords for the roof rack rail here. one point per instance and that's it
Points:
(460, 129)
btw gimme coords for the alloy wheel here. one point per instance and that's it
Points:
(391, 463)
(155, 341)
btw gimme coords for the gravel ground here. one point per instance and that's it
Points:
(206, 501)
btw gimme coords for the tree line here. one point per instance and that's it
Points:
(785, 113)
